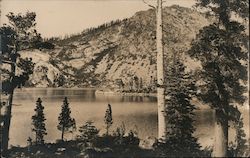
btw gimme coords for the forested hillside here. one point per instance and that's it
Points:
(117, 52)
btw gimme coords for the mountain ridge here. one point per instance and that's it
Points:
(118, 51)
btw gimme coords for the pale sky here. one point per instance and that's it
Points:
(60, 17)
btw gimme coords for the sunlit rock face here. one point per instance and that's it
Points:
(119, 50)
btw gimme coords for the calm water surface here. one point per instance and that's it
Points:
(136, 112)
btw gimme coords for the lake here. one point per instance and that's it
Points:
(136, 112)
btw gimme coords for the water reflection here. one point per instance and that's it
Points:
(51, 94)
(138, 99)
(138, 113)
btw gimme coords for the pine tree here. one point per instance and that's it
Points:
(180, 112)
(38, 122)
(108, 118)
(88, 133)
(19, 34)
(222, 49)
(239, 147)
(66, 122)
(141, 86)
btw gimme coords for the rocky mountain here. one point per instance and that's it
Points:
(116, 51)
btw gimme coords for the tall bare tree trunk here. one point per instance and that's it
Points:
(221, 137)
(160, 73)
(7, 114)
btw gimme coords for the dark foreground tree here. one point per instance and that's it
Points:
(222, 50)
(19, 34)
(38, 123)
(239, 147)
(66, 122)
(108, 119)
(180, 112)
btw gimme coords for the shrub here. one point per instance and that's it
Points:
(88, 134)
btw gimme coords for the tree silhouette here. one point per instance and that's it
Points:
(222, 49)
(88, 133)
(108, 118)
(38, 123)
(180, 113)
(19, 34)
(66, 122)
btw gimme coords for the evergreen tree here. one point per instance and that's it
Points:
(136, 83)
(19, 34)
(88, 133)
(222, 49)
(141, 84)
(240, 139)
(38, 122)
(180, 112)
(66, 122)
(108, 118)
(131, 83)
(239, 147)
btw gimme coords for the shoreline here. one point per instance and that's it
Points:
(99, 91)
(138, 94)
(115, 93)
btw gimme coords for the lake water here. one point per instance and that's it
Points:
(136, 112)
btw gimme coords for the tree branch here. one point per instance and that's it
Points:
(149, 4)
(7, 62)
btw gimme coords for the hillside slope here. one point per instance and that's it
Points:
(119, 50)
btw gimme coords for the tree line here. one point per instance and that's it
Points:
(86, 141)
(180, 140)
(90, 30)
(65, 122)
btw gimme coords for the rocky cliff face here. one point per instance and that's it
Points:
(116, 51)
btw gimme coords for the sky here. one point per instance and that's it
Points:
(61, 17)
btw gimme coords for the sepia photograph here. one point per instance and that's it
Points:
(124, 78)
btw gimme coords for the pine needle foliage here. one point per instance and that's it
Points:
(180, 114)
(66, 122)
(108, 119)
(239, 147)
(222, 49)
(38, 122)
(88, 134)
